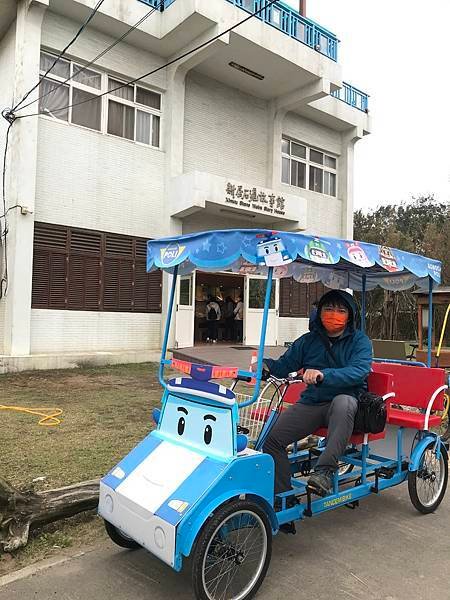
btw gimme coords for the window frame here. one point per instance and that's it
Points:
(104, 108)
(308, 163)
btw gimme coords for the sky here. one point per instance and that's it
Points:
(398, 52)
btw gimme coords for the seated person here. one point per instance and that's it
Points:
(339, 357)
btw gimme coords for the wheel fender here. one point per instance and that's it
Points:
(414, 461)
(189, 530)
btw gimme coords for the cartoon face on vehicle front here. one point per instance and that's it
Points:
(204, 427)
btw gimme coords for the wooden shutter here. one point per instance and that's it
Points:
(41, 279)
(84, 269)
(49, 283)
(285, 296)
(296, 298)
(80, 269)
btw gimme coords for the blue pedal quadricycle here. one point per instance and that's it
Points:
(200, 486)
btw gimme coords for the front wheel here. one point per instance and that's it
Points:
(428, 484)
(120, 538)
(232, 553)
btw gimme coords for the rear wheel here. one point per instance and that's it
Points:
(119, 538)
(428, 484)
(232, 553)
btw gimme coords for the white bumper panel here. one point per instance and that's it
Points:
(148, 530)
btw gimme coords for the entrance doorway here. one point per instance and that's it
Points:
(221, 286)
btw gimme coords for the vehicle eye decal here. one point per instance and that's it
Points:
(207, 436)
(181, 420)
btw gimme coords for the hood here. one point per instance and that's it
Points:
(349, 302)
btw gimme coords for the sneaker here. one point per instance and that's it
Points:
(321, 482)
(214, 341)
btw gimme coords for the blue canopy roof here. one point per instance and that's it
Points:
(337, 263)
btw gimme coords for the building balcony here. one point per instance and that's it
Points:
(286, 19)
(353, 97)
(303, 30)
(280, 57)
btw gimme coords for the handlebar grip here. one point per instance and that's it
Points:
(243, 378)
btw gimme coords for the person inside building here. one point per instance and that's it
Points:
(239, 319)
(313, 314)
(228, 313)
(212, 317)
(336, 359)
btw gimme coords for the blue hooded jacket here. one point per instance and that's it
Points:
(352, 351)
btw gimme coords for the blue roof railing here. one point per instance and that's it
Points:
(286, 19)
(289, 21)
(352, 96)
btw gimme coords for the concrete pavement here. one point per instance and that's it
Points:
(384, 550)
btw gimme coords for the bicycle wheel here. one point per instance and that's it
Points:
(120, 538)
(232, 553)
(428, 484)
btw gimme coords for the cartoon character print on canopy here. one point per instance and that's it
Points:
(356, 254)
(272, 252)
(388, 260)
(254, 250)
(317, 251)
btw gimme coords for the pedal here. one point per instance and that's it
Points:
(288, 528)
(386, 472)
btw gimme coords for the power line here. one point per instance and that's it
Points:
(91, 62)
(171, 62)
(3, 234)
(61, 54)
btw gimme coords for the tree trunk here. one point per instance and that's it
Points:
(21, 511)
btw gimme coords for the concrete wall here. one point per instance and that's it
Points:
(97, 181)
(123, 59)
(94, 180)
(6, 100)
(290, 328)
(225, 131)
(76, 331)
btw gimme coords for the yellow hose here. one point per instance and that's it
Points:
(444, 326)
(49, 415)
(446, 406)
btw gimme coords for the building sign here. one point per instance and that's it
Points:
(252, 198)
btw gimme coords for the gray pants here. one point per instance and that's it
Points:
(301, 420)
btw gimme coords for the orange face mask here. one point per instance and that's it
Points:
(334, 321)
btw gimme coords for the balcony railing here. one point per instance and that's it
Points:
(286, 19)
(289, 21)
(352, 96)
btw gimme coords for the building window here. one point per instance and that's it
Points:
(296, 299)
(81, 269)
(308, 168)
(132, 112)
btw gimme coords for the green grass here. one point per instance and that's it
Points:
(106, 411)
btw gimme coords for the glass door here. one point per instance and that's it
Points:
(184, 328)
(255, 290)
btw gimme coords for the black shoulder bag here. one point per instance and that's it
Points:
(371, 414)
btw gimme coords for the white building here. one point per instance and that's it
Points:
(256, 129)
